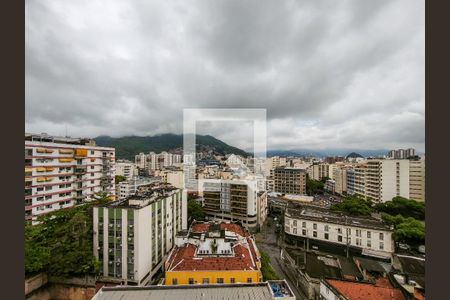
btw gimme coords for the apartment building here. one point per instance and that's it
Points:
(289, 181)
(127, 188)
(132, 237)
(317, 171)
(365, 235)
(350, 179)
(157, 161)
(417, 179)
(213, 253)
(386, 179)
(174, 177)
(330, 186)
(402, 153)
(340, 178)
(274, 162)
(234, 201)
(61, 172)
(126, 169)
(360, 174)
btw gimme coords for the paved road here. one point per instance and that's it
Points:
(267, 242)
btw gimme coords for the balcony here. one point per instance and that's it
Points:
(80, 170)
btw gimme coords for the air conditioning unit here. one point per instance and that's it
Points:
(98, 248)
(130, 239)
(110, 262)
(111, 225)
(110, 250)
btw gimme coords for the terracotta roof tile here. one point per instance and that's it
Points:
(366, 291)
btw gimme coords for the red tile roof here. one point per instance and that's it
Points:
(365, 291)
(183, 258)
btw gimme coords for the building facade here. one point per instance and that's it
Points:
(61, 172)
(417, 179)
(132, 237)
(213, 253)
(289, 181)
(234, 201)
(126, 169)
(367, 235)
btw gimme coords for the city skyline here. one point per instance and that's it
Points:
(340, 75)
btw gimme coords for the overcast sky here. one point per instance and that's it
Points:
(331, 74)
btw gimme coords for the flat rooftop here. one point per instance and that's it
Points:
(146, 195)
(325, 215)
(245, 291)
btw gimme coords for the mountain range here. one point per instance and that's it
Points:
(128, 146)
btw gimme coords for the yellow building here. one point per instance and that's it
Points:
(213, 253)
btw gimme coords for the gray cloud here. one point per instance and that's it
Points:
(331, 74)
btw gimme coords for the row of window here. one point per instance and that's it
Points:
(207, 281)
(339, 230)
(326, 236)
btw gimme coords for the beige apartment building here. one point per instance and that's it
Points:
(289, 181)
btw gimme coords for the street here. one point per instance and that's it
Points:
(266, 241)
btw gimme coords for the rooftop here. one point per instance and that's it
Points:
(213, 246)
(247, 291)
(381, 290)
(145, 195)
(320, 214)
(43, 137)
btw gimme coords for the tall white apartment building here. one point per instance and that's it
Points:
(386, 179)
(140, 161)
(132, 237)
(234, 200)
(126, 169)
(366, 235)
(61, 172)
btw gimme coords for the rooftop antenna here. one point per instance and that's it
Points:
(66, 131)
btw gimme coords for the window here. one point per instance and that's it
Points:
(358, 242)
(358, 232)
(339, 230)
(295, 222)
(326, 236)
(349, 231)
(206, 280)
(381, 236)
(232, 280)
(314, 226)
(191, 280)
(381, 245)
(339, 238)
(314, 233)
(92, 167)
(47, 188)
(304, 231)
(174, 281)
(369, 243)
(294, 230)
(249, 280)
(368, 234)
(219, 280)
(304, 224)
(326, 227)
(92, 152)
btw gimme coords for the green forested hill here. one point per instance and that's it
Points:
(128, 146)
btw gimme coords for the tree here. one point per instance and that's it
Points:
(354, 206)
(61, 244)
(195, 211)
(267, 272)
(120, 178)
(404, 207)
(406, 230)
(313, 186)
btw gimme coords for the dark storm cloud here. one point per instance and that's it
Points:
(331, 74)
